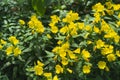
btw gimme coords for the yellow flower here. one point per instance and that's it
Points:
(40, 29)
(99, 44)
(86, 69)
(89, 42)
(98, 7)
(73, 32)
(62, 53)
(21, 22)
(56, 49)
(71, 16)
(111, 57)
(40, 63)
(107, 49)
(65, 46)
(33, 17)
(101, 64)
(3, 42)
(51, 24)
(55, 77)
(58, 69)
(112, 34)
(116, 38)
(88, 28)
(38, 70)
(17, 51)
(105, 26)
(36, 25)
(80, 25)
(118, 53)
(110, 12)
(77, 50)
(31, 24)
(85, 54)
(97, 17)
(48, 75)
(86, 35)
(118, 23)
(49, 36)
(69, 70)
(59, 42)
(13, 40)
(109, 5)
(1, 46)
(119, 15)
(55, 18)
(9, 50)
(106, 68)
(64, 61)
(116, 7)
(54, 29)
(96, 29)
(64, 30)
(71, 54)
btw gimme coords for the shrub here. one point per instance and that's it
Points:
(68, 47)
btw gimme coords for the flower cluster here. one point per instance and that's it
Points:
(11, 46)
(2, 43)
(36, 25)
(94, 43)
(71, 45)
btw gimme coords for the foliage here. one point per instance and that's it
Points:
(66, 46)
(45, 7)
(12, 10)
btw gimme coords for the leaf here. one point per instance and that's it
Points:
(39, 6)
(7, 64)
(26, 50)
(3, 77)
(74, 45)
(98, 78)
(108, 18)
(83, 43)
(14, 72)
(49, 54)
(60, 37)
(34, 4)
(78, 35)
(28, 38)
(48, 2)
(21, 59)
(116, 17)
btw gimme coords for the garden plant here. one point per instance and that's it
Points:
(60, 40)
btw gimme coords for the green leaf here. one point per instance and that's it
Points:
(98, 78)
(83, 43)
(14, 72)
(21, 59)
(108, 18)
(26, 50)
(39, 6)
(116, 17)
(79, 35)
(48, 2)
(49, 54)
(28, 38)
(7, 64)
(3, 77)
(74, 45)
